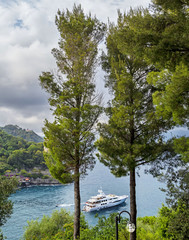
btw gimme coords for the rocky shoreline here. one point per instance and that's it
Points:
(30, 178)
(39, 182)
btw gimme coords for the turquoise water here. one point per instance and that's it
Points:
(34, 202)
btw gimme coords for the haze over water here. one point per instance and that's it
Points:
(34, 202)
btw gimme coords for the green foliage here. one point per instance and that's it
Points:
(177, 187)
(4, 167)
(69, 139)
(60, 226)
(34, 175)
(172, 97)
(160, 34)
(134, 134)
(48, 226)
(178, 180)
(57, 226)
(105, 229)
(45, 177)
(165, 32)
(181, 146)
(144, 43)
(174, 5)
(16, 131)
(2, 237)
(7, 186)
(24, 173)
(37, 175)
(173, 223)
(75, 105)
(16, 153)
(146, 228)
(169, 224)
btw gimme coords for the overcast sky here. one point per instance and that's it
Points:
(27, 35)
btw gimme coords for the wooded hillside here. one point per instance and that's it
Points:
(26, 134)
(17, 153)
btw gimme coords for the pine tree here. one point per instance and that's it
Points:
(133, 135)
(76, 107)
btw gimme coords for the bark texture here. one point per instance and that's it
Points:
(77, 204)
(133, 210)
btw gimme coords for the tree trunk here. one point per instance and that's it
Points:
(133, 209)
(77, 204)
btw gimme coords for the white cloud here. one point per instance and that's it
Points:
(27, 35)
(33, 122)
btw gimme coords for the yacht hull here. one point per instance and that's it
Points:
(110, 204)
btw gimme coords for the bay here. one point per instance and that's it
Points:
(34, 202)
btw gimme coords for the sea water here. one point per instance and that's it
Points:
(34, 202)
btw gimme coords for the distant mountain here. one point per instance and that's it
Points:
(26, 134)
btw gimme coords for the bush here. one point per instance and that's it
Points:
(58, 226)
(105, 229)
(35, 175)
(24, 173)
(1, 235)
(169, 224)
(45, 177)
(4, 167)
(147, 228)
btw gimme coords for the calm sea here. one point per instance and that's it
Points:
(34, 202)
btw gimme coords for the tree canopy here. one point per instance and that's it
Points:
(163, 31)
(76, 107)
(170, 54)
(17, 153)
(7, 187)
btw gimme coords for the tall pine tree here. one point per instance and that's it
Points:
(76, 107)
(133, 135)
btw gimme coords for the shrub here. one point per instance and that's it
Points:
(58, 226)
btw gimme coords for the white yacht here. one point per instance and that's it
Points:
(102, 201)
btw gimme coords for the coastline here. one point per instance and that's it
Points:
(33, 178)
(39, 182)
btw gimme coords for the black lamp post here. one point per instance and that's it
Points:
(130, 225)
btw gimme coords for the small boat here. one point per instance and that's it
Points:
(102, 201)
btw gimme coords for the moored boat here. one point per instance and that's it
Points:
(102, 201)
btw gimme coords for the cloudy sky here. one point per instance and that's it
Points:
(27, 35)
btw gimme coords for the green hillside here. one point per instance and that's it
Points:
(17, 153)
(17, 131)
